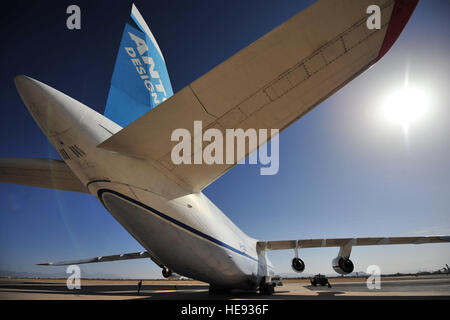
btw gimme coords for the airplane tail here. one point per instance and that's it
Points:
(140, 79)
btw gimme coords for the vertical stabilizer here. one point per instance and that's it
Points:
(140, 80)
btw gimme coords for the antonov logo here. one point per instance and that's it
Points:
(142, 48)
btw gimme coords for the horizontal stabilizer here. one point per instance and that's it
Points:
(340, 242)
(117, 257)
(267, 85)
(44, 173)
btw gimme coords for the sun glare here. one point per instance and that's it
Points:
(406, 106)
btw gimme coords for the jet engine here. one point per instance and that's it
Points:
(298, 265)
(166, 272)
(342, 265)
(169, 274)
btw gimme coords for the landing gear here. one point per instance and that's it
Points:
(267, 286)
(267, 289)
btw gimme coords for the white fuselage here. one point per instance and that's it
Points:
(185, 231)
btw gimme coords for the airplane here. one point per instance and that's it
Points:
(446, 269)
(123, 156)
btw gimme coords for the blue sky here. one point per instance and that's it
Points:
(344, 170)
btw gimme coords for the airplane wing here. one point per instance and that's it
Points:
(45, 173)
(269, 84)
(117, 257)
(342, 242)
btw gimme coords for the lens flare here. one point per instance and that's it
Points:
(406, 106)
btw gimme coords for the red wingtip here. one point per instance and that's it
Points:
(401, 13)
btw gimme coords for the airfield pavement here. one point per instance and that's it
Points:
(429, 287)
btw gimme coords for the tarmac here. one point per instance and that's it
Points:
(428, 287)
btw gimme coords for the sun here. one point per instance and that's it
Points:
(406, 106)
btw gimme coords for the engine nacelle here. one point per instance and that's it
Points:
(169, 274)
(298, 265)
(166, 272)
(342, 265)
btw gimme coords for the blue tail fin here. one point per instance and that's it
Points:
(140, 79)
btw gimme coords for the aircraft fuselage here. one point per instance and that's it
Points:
(185, 231)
